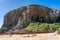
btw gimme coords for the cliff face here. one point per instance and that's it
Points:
(21, 17)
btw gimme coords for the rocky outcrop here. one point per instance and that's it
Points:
(21, 17)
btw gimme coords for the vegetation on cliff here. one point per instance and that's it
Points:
(40, 27)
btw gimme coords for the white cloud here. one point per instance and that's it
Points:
(0, 26)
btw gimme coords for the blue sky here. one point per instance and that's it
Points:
(7, 5)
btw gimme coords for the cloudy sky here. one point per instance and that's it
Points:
(7, 5)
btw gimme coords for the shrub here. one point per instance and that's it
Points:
(36, 26)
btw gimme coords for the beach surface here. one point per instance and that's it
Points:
(41, 36)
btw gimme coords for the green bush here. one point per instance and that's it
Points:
(36, 26)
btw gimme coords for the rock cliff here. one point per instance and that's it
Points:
(21, 17)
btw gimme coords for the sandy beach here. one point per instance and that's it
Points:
(43, 36)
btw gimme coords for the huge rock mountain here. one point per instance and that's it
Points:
(21, 17)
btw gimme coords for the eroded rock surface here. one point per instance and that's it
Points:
(21, 17)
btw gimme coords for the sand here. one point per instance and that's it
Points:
(41, 36)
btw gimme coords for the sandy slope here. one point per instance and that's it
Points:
(45, 36)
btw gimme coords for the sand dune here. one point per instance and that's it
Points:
(44, 36)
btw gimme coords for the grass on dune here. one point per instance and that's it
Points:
(37, 26)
